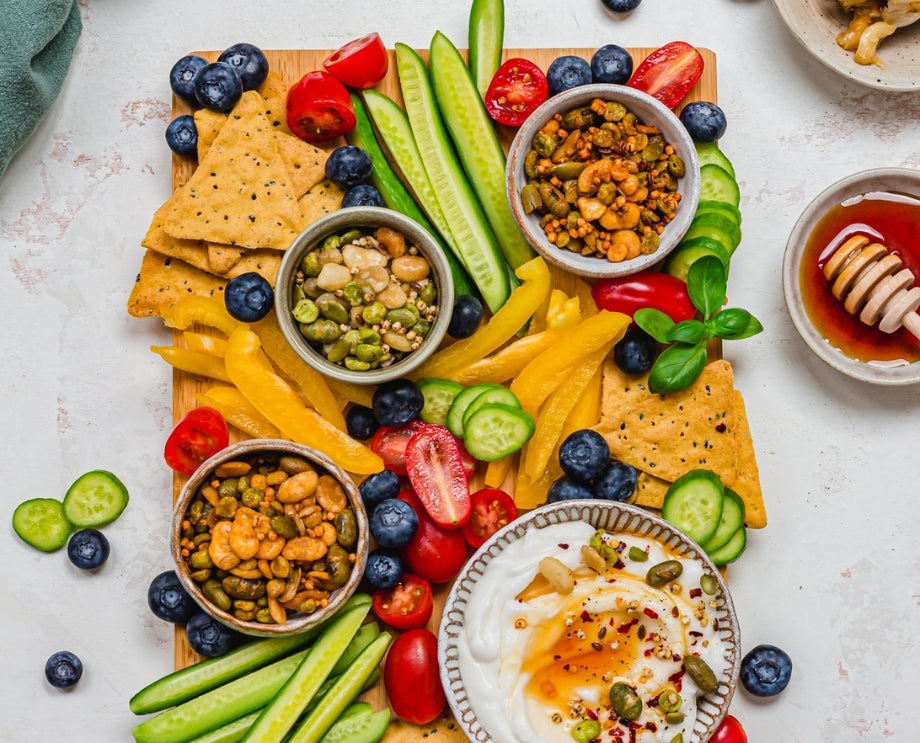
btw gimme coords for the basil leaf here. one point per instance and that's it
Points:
(707, 284)
(687, 331)
(677, 367)
(654, 322)
(734, 324)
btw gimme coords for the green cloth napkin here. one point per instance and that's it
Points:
(37, 39)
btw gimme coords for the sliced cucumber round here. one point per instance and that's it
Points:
(719, 207)
(96, 498)
(679, 262)
(694, 503)
(717, 184)
(729, 226)
(41, 523)
(732, 549)
(497, 394)
(462, 401)
(438, 395)
(497, 430)
(709, 152)
(732, 520)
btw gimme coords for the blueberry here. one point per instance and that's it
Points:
(397, 402)
(168, 599)
(377, 488)
(182, 77)
(704, 121)
(218, 87)
(621, 6)
(635, 352)
(766, 670)
(611, 64)
(249, 297)
(583, 455)
(393, 523)
(566, 489)
(566, 72)
(465, 317)
(182, 135)
(88, 549)
(207, 636)
(249, 62)
(617, 482)
(364, 194)
(383, 569)
(63, 669)
(348, 166)
(361, 422)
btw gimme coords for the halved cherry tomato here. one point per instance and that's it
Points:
(491, 510)
(469, 461)
(412, 678)
(433, 553)
(435, 468)
(319, 108)
(201, 433)
(361, 63)
(517, 88)
(669, 72)
(389, 444)
(730, 731)
(648, 288)
(408, 605)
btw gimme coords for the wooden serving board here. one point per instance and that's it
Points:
(292, 65)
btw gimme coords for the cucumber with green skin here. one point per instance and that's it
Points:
(732, 549)
(717, 184)
(731, 520)
(709, 152)
(486, 41)
(694, 502)
(477, 145)
(394, 193)
(232, 732)
(468, 225)
(358, 724)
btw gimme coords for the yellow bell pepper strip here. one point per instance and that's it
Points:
(274, 398)
(193, 362)
(513, 315)
(194, 309)
(209, 344)
(553, 414)
(311, 383)
(497, 471)
(529, 493)
(582, 290)
(239, 412)
(587, 410)
(346, 392)
(549, 369)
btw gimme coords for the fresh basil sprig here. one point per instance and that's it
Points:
(682, 362)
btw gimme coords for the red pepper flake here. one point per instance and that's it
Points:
(695, 593)
(563, 546)
(721, 428)
(650, 613)
(677, 678)
(651, 726)
(623, 629)
(590, 713)
(586, 616)
(695, 633)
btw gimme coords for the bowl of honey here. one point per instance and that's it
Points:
(851, 276)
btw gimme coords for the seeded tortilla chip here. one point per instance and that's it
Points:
(306, 163)
(747, 473)
(208, 124)
(221, 258)
(274, 93)
(442, 730)
(323, 198)
(650, 490)
(162, 281)
(240, 194)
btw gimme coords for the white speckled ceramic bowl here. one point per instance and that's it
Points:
(815, 25)
(898, 180)
(613, 517)
(649, 111)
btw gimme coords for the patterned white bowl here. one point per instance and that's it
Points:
(613, 517)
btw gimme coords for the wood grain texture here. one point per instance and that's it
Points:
(292, 65)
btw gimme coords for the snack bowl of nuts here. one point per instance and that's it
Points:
(364, 295)
(603, 180)
(269, 537)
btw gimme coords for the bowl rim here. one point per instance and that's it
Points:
(615, 517)
(364, 216)
(301, 622)
(677, 136)
(841, 190)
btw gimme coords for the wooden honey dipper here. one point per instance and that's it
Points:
(871, 282)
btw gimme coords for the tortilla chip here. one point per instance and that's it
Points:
(190, 251)
(162, 281)
(443, 730)
(650, 490)
(306, 163)
(240, 194)
(323, 198)
(274, 93)
(208, 124)
(747, 473)
(221, 258)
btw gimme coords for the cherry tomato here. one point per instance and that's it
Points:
(491, 510)
(201, 433)
(435, 468)
(730, 731)
(361, 63)
(408, 605)
(669, 72)
(389, 444)
(469, 461)
(319, 108)
(517, 88)
(433, 553)
(645, 289)
(412, 678)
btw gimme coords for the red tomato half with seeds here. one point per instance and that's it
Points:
(669, 72)
(433, 553)
(730, 731)
(408, 605)
(361, 63)
(491, 510)
(519, 86)
(389, 444)
(412, 678)
(319, 108)
(435, 468)
(200, 434)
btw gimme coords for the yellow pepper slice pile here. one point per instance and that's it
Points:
(239, 412)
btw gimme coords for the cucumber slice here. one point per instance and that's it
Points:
(96, 498)
(438, 395)
(724, 223)
(498, 394)
(358, 724)
(472, 235)
(732, 549)
(679, 261)
(732, 519)
(693, 504)
(497, 430)
(41, 523)
(709, 152)
(717, 184)
(719, 207)
(486, 40)
(713, 233)
(232, 732)
(454, 419)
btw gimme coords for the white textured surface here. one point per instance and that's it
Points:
(833, 578)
